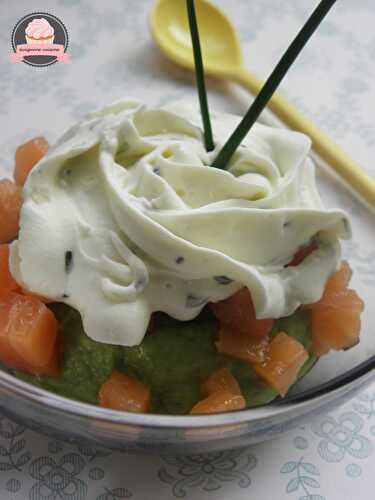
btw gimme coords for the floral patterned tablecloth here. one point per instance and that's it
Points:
(112, 55)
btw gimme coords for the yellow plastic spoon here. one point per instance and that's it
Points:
(222, 56)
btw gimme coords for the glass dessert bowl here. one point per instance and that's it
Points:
(124, 221)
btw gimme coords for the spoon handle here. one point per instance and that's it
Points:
(347, 168)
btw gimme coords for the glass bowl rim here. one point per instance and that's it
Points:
(325, 391)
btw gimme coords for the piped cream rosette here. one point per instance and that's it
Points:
(124, 217)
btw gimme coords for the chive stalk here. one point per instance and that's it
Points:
(272, 83)
(199, 75)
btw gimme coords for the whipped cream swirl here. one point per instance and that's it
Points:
(124, 217)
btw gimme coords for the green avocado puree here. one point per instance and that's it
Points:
(173, 360)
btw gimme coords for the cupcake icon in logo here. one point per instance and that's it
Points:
(40, 39)
(39, 30)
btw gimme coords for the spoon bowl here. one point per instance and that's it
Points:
(220, 45)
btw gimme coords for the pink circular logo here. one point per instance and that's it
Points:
(40, 39)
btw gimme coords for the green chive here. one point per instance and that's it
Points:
(272, 83)
(199, 75)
